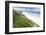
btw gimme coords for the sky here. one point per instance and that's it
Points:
(27, 9)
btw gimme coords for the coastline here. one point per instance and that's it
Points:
(33, 18)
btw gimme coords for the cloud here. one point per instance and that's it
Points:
(27, 9)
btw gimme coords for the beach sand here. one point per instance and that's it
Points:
(33, 18)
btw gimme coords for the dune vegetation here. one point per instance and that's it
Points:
(20, 20)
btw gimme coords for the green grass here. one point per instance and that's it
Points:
(20, 20)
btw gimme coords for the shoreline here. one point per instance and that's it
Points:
(33, 18)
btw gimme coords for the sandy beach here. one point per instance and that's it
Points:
(33, 18)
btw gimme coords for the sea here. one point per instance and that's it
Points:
(35, 14)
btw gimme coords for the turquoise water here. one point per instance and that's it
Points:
(34, 14)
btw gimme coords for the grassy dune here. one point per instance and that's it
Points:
(20, 20)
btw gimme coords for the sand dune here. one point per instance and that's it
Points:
(33, 18)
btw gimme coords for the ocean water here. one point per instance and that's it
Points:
(33, 14)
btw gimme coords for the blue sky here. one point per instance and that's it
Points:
(27, 9)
